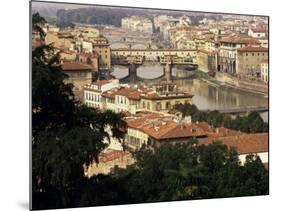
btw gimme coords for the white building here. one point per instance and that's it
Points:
(93, 92)
(136, 23)
(257, 33)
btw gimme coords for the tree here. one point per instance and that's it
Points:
(37, 22)
(255, 121)
(66, 137)
(252, 123)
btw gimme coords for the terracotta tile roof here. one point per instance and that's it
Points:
(110, 155)
(155, 95)
(180, 130)
(241, 40)
(259, 30)
(123, 91)
(244, 143)
(69, 66)
(108, 94)
(101, 82)
(161, 128)
(129, 93)
(253, 49)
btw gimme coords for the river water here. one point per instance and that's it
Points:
(206, 96)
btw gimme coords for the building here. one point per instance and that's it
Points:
(121, 98)
(138, 24)
(101, 47)
(108, 160)
(264, 70)
(90, 59)
(207, 60)
(63, 40)
(79, 74)
(245, 144)
(228, 52)
(257, 32)
(249, 60)
(164, 97)
(93, 92)
(153, 129)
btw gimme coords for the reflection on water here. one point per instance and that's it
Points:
(205, 96)
(150, 71)
(120, 71)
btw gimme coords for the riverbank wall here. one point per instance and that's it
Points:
(225, 79)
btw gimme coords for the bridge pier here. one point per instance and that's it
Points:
(132, 76)
(168, 71)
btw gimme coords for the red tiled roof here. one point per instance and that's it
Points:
(111, 155)
(161, 129)
(101, 82)
(69, 66)
(108, 94)
(259, 30)
(253, 49)
(242, 40)
(244, 143)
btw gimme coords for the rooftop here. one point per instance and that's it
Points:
(243, 143)
(78, 66)
(253, 49)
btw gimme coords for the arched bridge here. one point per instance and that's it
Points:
(138, 56)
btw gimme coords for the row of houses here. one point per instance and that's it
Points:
(110, 94)
(153, 129)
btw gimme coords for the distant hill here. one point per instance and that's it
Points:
(47, 9)
(67, 14)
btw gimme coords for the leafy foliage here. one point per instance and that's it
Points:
(183, 172)
(252, 123)
(66, 137)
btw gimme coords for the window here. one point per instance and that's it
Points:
(148, 105)
(168, 105)
(158, 106)
(253, 54)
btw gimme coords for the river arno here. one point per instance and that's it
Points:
(206, 96)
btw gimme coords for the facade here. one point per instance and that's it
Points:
(93, 92)
(249, 60)
(207, 60)
(164, 97)
(122, 98)
(79, 74)
(101, 47)
(264, 70)
(257, 32)
(108, 160)
(90, 59)
(59, 39)
(136, 23)
(228, 52)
